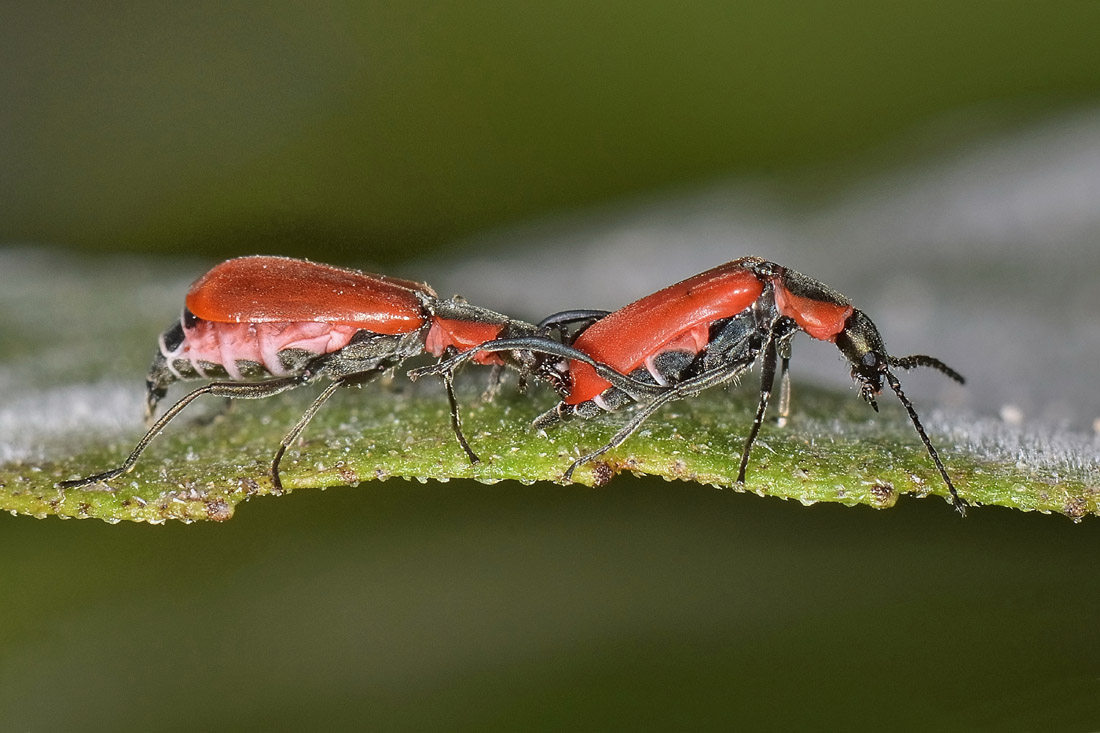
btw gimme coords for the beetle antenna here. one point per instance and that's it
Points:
(895, 384)
(921, 360)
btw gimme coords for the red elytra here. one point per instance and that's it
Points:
(264, 289)
(264, 325)
(659, 322)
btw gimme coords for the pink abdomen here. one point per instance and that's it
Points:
(228, 344)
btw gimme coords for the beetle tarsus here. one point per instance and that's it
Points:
(102, 478)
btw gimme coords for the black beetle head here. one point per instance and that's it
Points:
(862, 345)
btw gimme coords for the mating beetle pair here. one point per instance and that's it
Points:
(285, 323)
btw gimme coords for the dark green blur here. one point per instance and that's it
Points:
(643, 606)
(372, 131)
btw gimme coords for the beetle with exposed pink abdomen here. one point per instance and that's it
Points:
(263, 325)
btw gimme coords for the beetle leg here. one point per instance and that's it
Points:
(767, 377)
(496, 380)
(784, 382)
(957, 501)
(235, 390)
(311, 411)
(456, 419)
(299, 426)
(627, 430)
(687, 388)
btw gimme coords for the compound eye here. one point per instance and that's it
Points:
(869, 359)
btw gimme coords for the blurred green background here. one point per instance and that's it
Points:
(377, 132)
(371, 130)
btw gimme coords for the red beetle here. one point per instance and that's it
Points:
(263, 325)
(703, 332)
